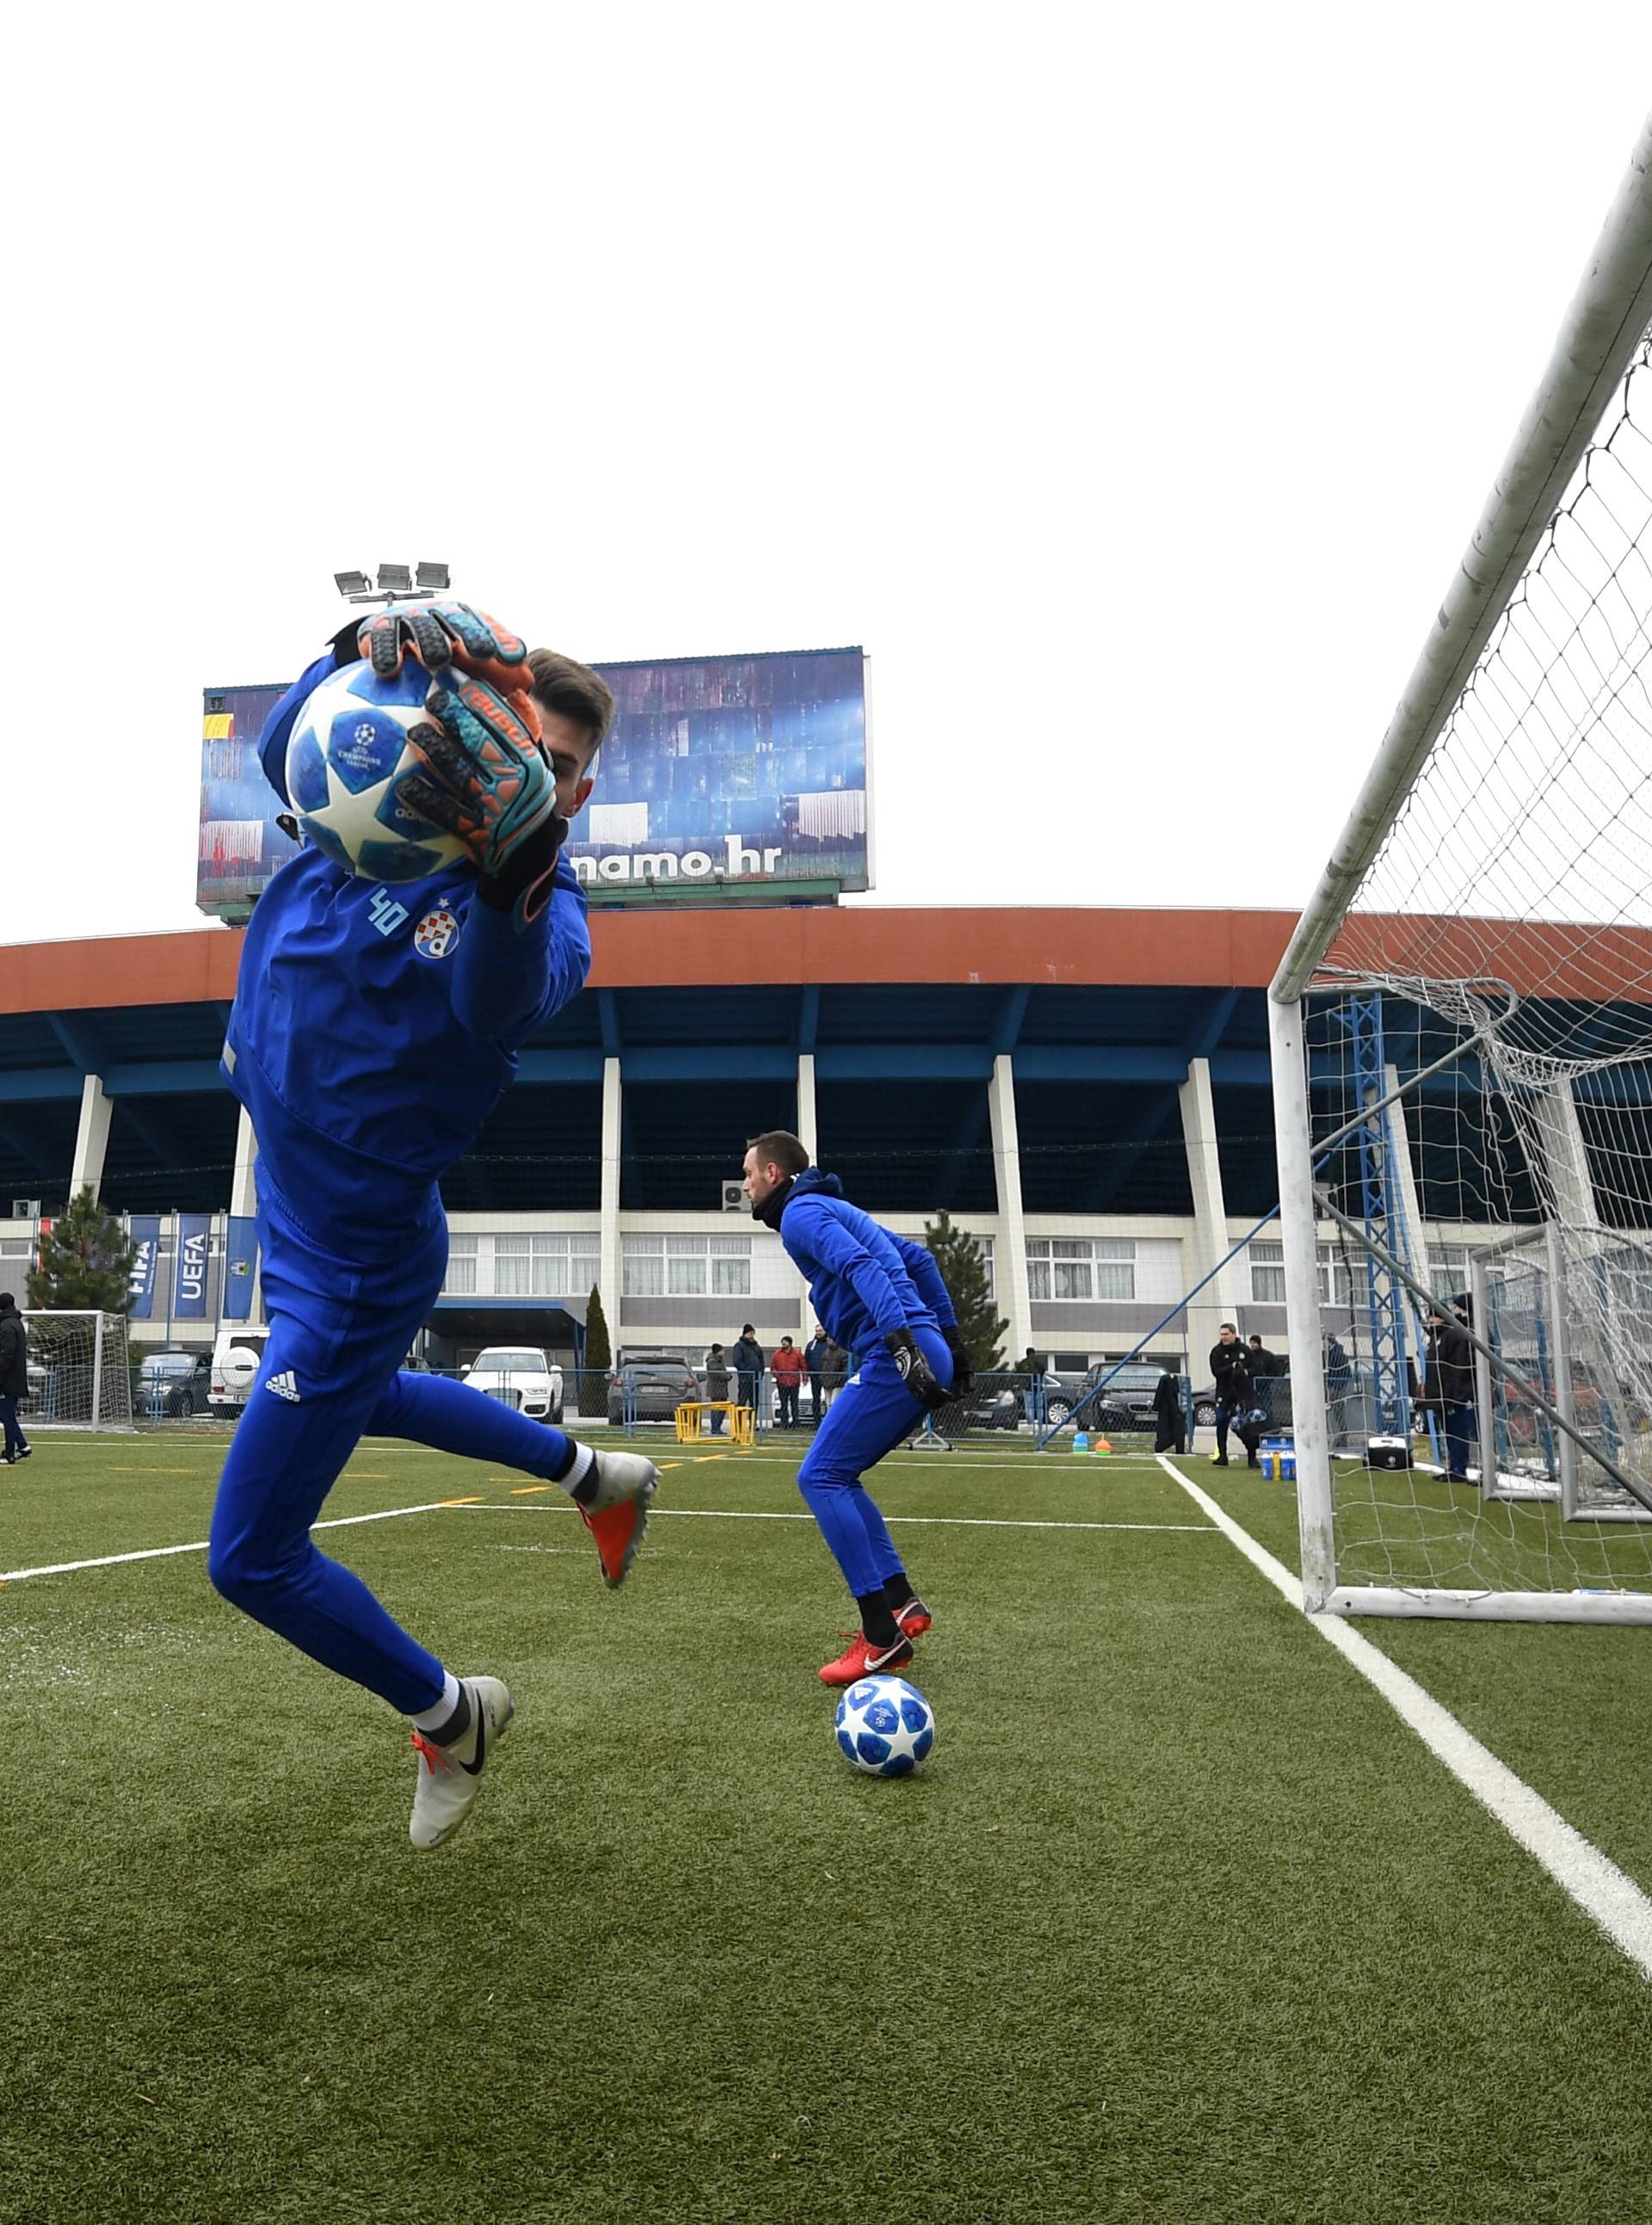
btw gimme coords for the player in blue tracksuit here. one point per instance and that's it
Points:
(881, 1297)
(374, 1028)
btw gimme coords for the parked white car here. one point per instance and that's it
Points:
(519, 1376)
(236, 1357)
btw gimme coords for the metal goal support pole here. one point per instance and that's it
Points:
(97, 1371)
(1299, 1230)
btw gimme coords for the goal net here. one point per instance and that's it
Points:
(1463, 1040)
(79, 1372)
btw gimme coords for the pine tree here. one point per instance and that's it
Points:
(599, 1358)
(962, 1269)
(86, 1261)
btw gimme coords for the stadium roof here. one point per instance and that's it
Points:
(903, 1011)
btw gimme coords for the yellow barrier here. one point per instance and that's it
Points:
(688, 1425)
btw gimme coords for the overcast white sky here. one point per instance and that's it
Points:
(1128, 380)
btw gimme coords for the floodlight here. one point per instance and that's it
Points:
(395, 579)
(435, 577)
(352, 583)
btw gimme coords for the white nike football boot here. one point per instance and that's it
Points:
(450, 1776)
(618, 1516)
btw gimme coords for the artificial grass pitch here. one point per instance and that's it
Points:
(1178, 1921)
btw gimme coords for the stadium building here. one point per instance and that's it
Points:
(1086, 1091)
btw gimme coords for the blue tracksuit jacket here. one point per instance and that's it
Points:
(374, 1028)
(864, 1279)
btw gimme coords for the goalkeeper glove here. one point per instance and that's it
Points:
(523, 886)
(963, 1373)
(441, 634)
(914, 1370)
(490, 783)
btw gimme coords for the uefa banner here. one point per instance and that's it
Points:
(190, 1272)
(240, 1264)
(145, 1230)
(718, 771)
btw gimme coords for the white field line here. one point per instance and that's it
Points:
(895, 1521)
(165, 1552)
(1603, 1892)
(698, 1513)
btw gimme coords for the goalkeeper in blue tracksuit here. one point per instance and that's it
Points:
(881, 1297)
(374, 1028)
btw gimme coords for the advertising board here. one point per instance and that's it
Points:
(720, 775)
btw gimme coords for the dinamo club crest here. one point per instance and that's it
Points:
(437, 933)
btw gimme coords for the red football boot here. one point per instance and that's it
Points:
(914, 1618)
(865, 1660)
(618, 1516)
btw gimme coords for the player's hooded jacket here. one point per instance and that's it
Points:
(864, 1281)
(374, 1027)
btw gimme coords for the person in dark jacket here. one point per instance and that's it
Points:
(1339, 1388)
(1451, 1382)
(1230, 1367)
(748, 1357)
(1264, 1367)
(816, 1354)
(1172, 1434)
(717, 1382)
(14, 1378)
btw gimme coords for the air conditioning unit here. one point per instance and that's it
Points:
(734, 1197)
(25, 1208)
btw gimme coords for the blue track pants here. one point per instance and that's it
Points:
(338, 1333)
(872, 1414)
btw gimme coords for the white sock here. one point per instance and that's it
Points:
(582, 1460)
(433, 1718)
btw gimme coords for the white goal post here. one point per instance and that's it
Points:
(1461, 1033)
(80, 1372)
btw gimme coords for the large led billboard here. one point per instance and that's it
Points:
(719, 772)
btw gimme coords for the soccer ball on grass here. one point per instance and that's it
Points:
(885, 1726)
(348, 754)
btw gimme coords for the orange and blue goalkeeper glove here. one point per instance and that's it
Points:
(441, 634)
(491, 785)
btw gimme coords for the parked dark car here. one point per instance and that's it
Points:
(657, 1386)
(176, 1385)
(1127, 1402)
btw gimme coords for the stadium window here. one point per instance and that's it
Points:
(732, 1266)
(1073, 1269)
(1335, 1283)
(1267, 1273)
(461, 1278)
(513, 1267)
(1447, 1270)
(686, 1266)
(643, 1271)
(1115, 1268)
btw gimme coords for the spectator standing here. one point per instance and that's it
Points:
(1172, 1434)
(1230, 1369)
(14, 1378)
(1031, 1372)
(1338, 1379)
(750, 1362)
(1450, 1382)
(786, 1367)
(835, 1374)
(1265, 1366)
(814, 1359)
(717, 1383)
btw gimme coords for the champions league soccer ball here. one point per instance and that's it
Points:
(349, 749)
(885, 1726)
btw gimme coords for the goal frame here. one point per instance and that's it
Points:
(113, 1414)
(1602, 330)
